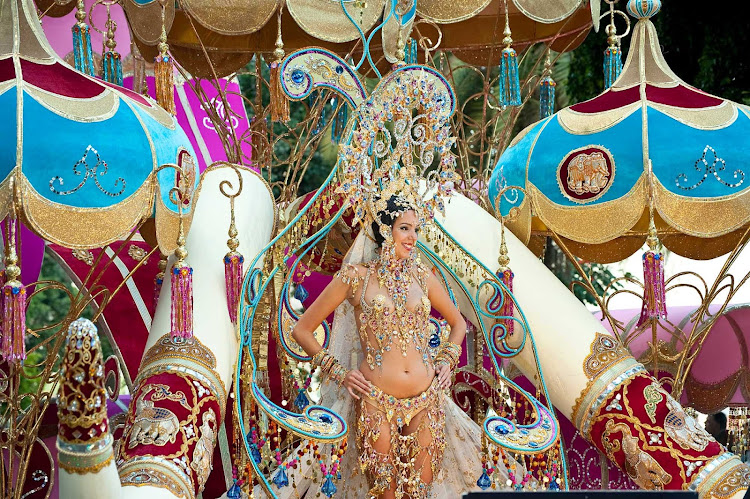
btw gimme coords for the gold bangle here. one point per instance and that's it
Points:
(318, 358)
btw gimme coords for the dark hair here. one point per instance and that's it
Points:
(394, 208)
(720, 418)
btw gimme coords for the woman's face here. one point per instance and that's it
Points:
(405, 233)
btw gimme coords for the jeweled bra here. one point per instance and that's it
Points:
(387, 325)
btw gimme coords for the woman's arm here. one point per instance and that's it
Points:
(344, 282)
(331, 297)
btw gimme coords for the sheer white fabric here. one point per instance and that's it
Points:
(462, 463)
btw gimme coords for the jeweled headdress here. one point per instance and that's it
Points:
(400, 145)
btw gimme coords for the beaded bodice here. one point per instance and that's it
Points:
(390, 325)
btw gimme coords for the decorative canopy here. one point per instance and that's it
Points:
(231, 31)
(80, 158)
(590, 170)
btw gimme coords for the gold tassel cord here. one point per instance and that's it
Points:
(164, 70)
(279, 103)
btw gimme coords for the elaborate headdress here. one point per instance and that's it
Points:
(410, 160)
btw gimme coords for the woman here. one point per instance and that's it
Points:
(398, 386)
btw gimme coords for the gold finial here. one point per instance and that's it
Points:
(504, 258)
(80, 12)
(653, 238)
(279, 53)
(507, 41)
(611, 30)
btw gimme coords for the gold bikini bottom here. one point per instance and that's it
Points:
(397, 437)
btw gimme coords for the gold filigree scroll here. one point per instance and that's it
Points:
(606, 351)
(731, 483)
(653, 396)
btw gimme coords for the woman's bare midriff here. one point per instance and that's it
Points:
(400, 376)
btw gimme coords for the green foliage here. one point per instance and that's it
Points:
(45, 309)
(703, 46)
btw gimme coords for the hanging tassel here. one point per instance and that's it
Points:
(279, 103)
(182, 292)
(654, 299)
(613, 54)
(233, 267)
(233, 262)
(547, 91)
(612, 65)
(506, 277)
(510, 86)
(82, 53)
(164, 71)
(13, 301)
(411, 51)
(111, 62)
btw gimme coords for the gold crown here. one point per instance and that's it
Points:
(379, 162)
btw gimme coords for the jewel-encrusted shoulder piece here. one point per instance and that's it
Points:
(423, 274)
(350, 275)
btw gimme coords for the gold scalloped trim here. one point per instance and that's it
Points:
(703, 217)
(577, 123)
(707, 118)
(547, 12)
(443, 11)
(83, 228)
(98, 108)
(592, 224)
(326, 20)
(231, 17)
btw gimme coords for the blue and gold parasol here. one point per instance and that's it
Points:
(81, 159)
(594, 172)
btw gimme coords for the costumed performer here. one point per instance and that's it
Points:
(412, 440)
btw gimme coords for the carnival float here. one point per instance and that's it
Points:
(165, 158)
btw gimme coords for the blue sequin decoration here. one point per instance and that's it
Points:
(281, 479)
(301, 293)
(298, 76)
(484, 481)
(434, 341)
(328, 488)
(234, 492)
(301, 401)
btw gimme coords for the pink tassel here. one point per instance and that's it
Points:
(14, 321)
(654, 301)
(2, 283)
(507, 277)
(182, 300)
(233, 263)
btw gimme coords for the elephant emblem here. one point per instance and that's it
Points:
(683, 429)
(641, 467)
(152, 425)
(588, 173)
(204, 449)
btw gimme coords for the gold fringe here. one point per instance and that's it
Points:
(279, 102)
(164, 76)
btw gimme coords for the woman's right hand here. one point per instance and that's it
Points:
(355, 381)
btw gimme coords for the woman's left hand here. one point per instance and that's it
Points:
(443, 373)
